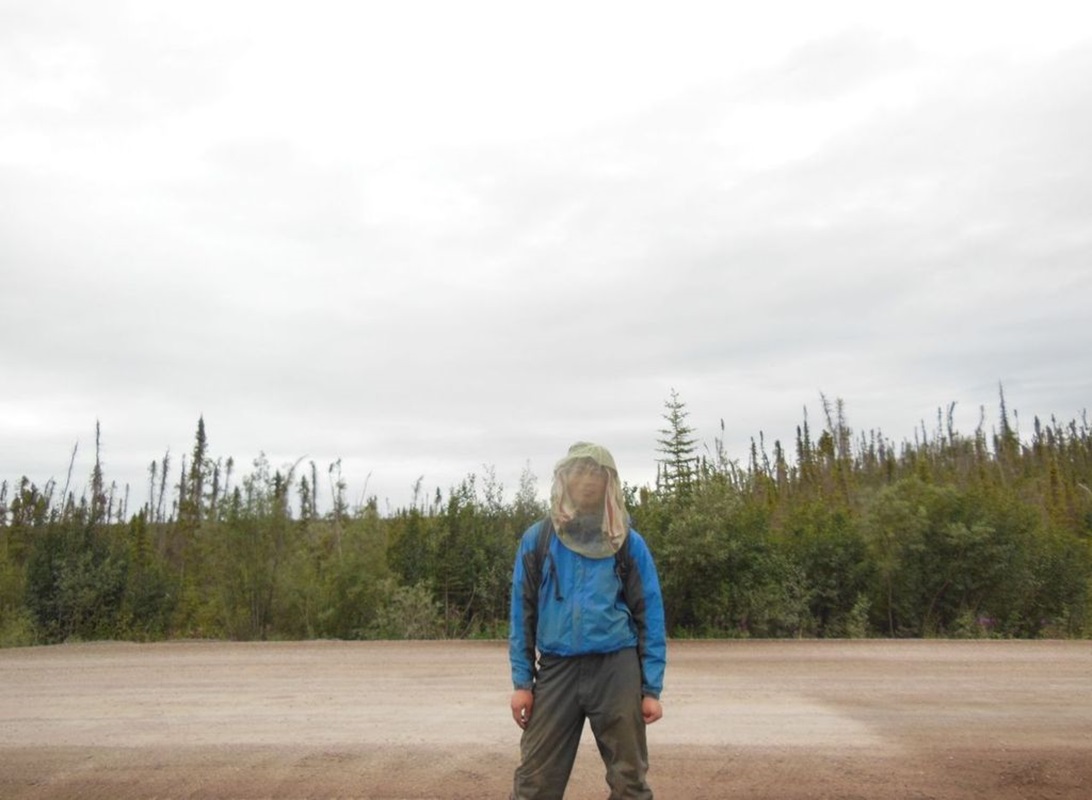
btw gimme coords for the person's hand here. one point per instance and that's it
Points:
(651, 709)
(522, 703)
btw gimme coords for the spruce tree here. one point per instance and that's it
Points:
(191, 499)
(678, 445)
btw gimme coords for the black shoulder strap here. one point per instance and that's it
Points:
(535, 560)
(542, 543)
(622, 563)
(542, 552)
(623, 560)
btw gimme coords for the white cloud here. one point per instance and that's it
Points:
(428, 237)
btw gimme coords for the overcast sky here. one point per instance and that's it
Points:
(428, 237)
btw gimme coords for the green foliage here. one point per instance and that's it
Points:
(17, 629)
(677, 446)
(473, 557)
(406, 612)
(150, 599)
(75, 583)
(856, 620)
(720, 573)
(16, 623)
(945, 538)
(355, 580)
(831, 557)
(978, 536)
(939, 557)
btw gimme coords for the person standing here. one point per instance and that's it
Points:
(586, 597)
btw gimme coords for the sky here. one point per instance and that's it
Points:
(437, 239)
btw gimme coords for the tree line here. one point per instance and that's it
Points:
(837, 535)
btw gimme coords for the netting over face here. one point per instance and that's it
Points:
(586, 502)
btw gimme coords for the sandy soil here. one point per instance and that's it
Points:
(755, 719)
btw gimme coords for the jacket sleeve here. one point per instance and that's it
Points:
(647, 606)
(523, 615)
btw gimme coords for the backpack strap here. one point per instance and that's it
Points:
(533, 564)
(542, 543)
(542, 555)
(535, 561)
(623, 562)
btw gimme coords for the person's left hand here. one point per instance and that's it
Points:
(651, 709)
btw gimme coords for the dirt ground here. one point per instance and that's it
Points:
(748, 719)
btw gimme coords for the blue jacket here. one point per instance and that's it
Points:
(581, 609)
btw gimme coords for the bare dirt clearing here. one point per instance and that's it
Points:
(750, 719)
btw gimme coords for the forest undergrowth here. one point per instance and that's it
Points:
(836, 535)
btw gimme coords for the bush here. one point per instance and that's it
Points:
(75, 584)
(406, 612)
(17, 630)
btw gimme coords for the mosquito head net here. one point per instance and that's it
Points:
(599, 530)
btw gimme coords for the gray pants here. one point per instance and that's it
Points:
(605, 690)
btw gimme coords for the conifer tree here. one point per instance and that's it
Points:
(678, 446)
(192, 488)
(98, 490)
(163, 472)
